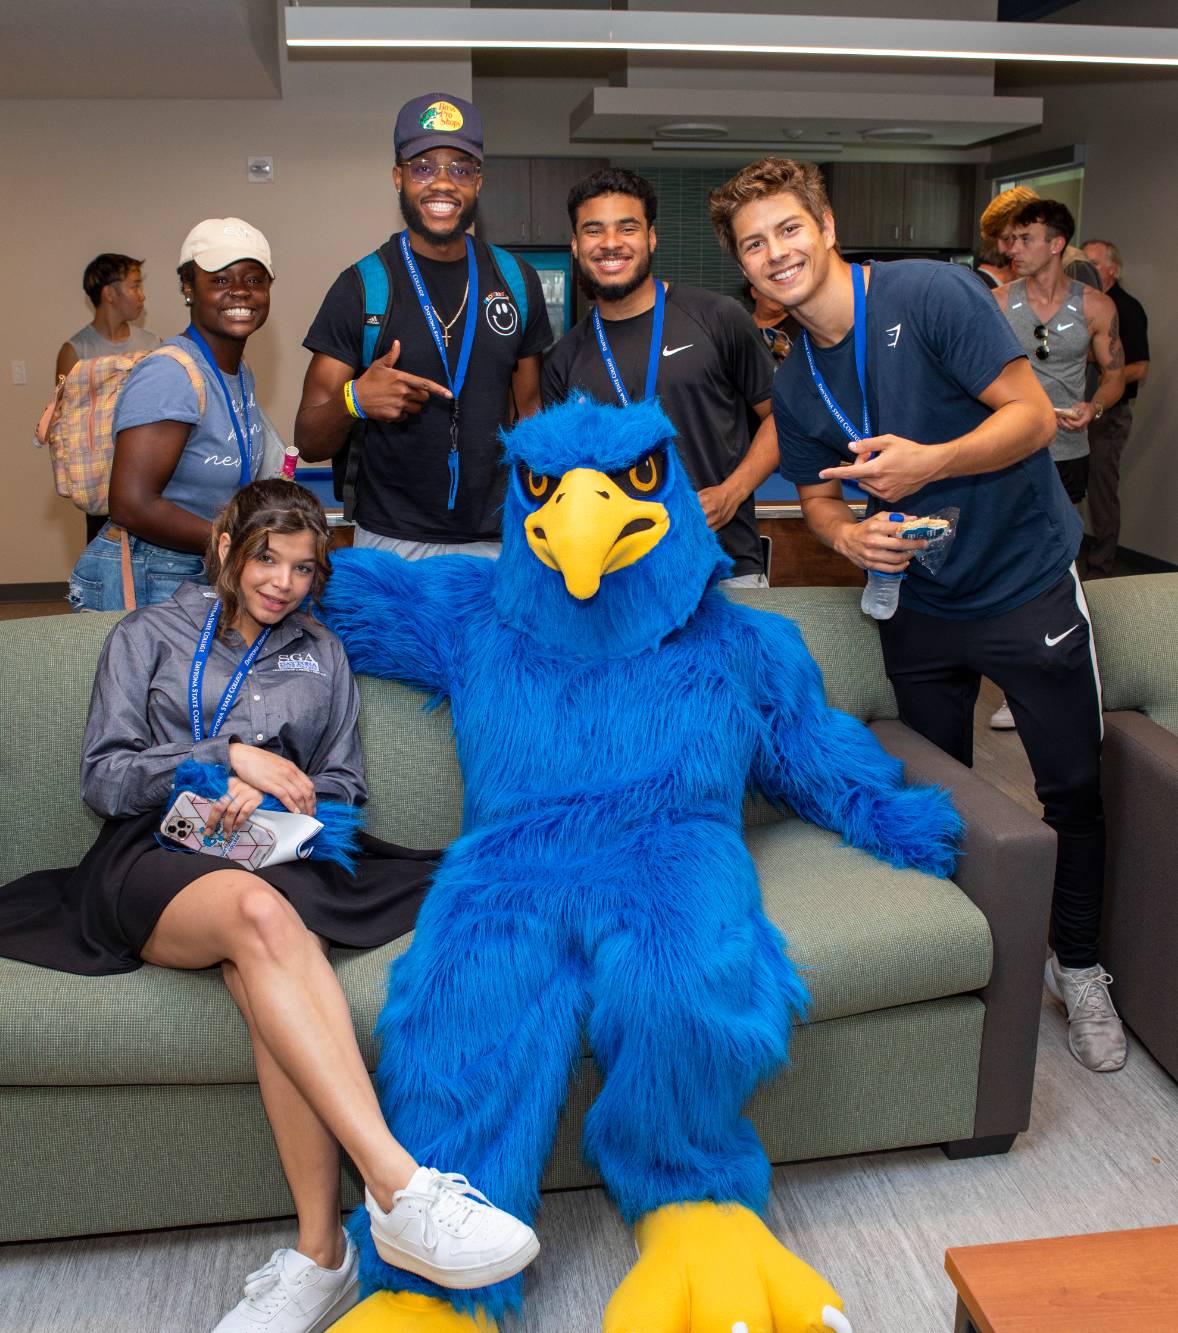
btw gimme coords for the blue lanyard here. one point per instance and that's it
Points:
(232, 690)
(853, 432)
(243, 441)
(652, 361)
(453, 382)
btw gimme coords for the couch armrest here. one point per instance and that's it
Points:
(1007, 869)
(1139, 937)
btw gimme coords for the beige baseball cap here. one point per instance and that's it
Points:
(216, 243)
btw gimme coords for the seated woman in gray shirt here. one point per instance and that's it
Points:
(181, 451)
(288, 729)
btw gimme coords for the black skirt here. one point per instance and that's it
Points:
(94, 918)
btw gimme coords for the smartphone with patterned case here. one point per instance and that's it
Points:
(184, 825)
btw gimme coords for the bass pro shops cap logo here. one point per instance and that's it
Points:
(502, 316)
(441, 116)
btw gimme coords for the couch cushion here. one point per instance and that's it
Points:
(866, 937)
(1136, 628)
(841, 639)
(47, 666)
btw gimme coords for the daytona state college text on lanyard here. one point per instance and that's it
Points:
(453, 382)
(197, 673)
(853, 431)
(652, 361)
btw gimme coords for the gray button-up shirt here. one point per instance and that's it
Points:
(299, 700)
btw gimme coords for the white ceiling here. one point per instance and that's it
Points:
(139, 48)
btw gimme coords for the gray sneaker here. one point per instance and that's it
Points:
(1095, 1035)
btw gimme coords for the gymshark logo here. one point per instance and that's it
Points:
(893, 334)
(673, 351)
(1050, 642)
(1059, 328)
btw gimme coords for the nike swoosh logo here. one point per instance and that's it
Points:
(1059, 328)
(1050, 642)
(670, 351)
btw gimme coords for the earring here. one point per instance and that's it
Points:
(188, 300)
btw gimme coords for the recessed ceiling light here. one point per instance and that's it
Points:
(691, 129)
(897, 134)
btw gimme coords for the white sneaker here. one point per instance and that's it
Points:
(441, 1228)
(292, 1294)
(1095, 1034)
(1003, 718)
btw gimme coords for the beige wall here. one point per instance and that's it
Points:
(82, 177)
(1131, 197)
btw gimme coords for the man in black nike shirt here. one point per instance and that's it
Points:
(712, 364)
(429, 479)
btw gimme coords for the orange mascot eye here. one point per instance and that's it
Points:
(644, 475)
(537, 485)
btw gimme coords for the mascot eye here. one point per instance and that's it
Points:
(644, 478)
(536, 486)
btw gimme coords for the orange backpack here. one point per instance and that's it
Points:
(77, 423)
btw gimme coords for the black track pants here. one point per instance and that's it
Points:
(1042, 655)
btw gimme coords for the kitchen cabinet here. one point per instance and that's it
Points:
(903, 206)
(523, 198)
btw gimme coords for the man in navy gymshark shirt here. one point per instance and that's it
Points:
(948, 413)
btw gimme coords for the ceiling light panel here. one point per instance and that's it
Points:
(740, 34)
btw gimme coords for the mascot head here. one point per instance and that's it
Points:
(605, 546)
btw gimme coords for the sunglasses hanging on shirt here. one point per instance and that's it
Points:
(1042, 352)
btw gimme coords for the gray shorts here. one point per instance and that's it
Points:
(408, 550)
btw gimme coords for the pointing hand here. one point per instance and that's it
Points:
(387, 394)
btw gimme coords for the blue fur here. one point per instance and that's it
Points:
(337, 841)
(602, 885)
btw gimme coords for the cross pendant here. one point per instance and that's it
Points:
(446, 337)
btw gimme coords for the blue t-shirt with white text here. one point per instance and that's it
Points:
(935, 339)
(208, 472)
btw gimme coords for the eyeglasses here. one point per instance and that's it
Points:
(423, 170)
(1042, 352)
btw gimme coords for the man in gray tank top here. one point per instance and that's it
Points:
(114, 286)
(1060, 324)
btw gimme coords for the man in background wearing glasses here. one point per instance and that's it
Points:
(418, 383)
(1059, 322)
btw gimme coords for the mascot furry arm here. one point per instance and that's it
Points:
(610, 709)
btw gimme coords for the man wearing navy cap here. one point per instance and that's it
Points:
(422, 350)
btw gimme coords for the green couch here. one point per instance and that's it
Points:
(1136, 623)
(129, 1102)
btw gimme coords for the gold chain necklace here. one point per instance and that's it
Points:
(447, 327)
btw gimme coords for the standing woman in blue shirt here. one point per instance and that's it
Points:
(177, 461)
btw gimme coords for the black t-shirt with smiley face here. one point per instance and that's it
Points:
(713, 367)
(404, 477)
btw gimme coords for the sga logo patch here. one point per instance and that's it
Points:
(441, 116)
(502, 316)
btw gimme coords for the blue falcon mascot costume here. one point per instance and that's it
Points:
(610, 708)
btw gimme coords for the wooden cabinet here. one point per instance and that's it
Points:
(523, 198)
(903, 206)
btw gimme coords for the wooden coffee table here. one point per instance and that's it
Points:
(1111, 1282)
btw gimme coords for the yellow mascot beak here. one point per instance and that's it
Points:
(591, 527)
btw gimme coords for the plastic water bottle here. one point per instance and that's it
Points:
(882, 594)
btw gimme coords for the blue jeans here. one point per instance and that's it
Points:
(96, 583)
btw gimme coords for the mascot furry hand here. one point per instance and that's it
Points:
(610, 708)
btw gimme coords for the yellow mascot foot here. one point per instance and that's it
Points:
(717, 1268)
(410, 1312)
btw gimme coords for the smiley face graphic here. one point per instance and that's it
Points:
(502, 316)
